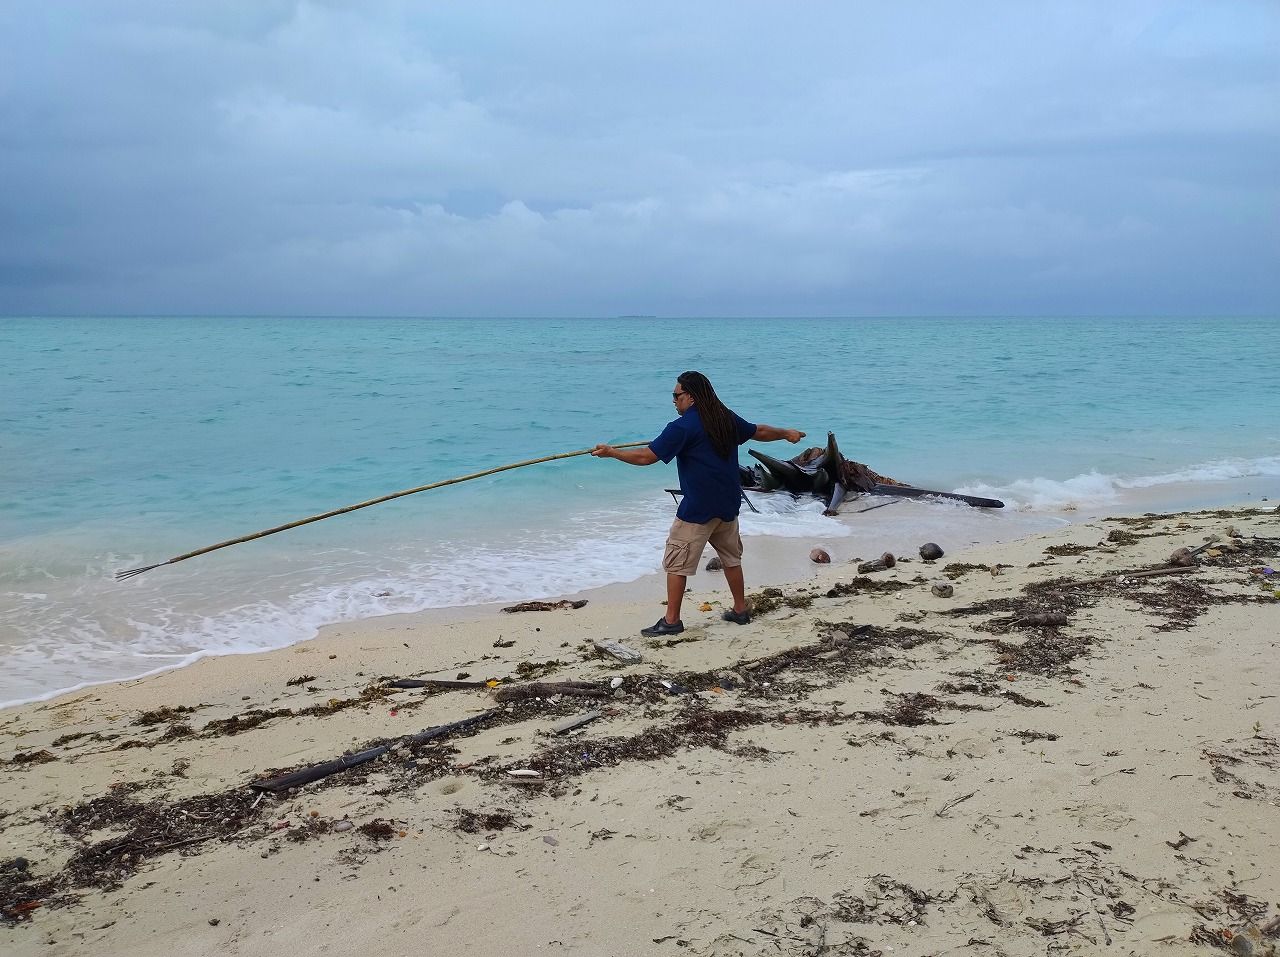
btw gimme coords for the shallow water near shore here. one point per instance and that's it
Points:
(127, 441)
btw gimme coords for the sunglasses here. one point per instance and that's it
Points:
(677, 396)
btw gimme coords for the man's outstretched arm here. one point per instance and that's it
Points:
(768, 433)
(641, 456)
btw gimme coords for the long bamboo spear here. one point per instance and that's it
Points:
(132, 572)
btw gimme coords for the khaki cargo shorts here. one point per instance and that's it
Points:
(686, 541)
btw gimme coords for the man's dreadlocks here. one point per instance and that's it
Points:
(716, 418)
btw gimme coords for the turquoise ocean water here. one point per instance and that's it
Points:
(128, 441)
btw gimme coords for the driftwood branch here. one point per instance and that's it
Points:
(577, 721)
(435, 683)
(1140, 573)
(315, 772)
(950, 804)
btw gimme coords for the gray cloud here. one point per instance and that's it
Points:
(578, 159)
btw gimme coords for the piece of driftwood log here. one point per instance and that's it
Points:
(618, 650)
(315, 772)
(434, 683)
(880, 564)
(545, 605)
(1208, 543)
(1042, 618)
(1140, 573)
(545, 689)
(577, 721)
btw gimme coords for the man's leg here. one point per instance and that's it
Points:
(675, 595)
(733, 575)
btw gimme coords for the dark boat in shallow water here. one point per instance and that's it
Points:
(827, 474)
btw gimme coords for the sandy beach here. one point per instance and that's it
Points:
(1054, 759)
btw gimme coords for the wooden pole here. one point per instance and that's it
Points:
(130, 573)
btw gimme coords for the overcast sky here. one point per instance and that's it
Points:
(597, 158)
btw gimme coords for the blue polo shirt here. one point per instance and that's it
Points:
(711, 486)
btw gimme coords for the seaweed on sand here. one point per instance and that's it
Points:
(866, 585)
(483, 822)
(771, 599)
(914, 709)
(698, 726)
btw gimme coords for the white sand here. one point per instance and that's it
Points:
(814, 826)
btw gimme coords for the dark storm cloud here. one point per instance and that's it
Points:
(576, 159)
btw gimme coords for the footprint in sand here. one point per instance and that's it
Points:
(1104, 817)
(452, 785)
(717, 830)
(751, 871)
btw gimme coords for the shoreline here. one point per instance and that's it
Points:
(771, 560)
(839, 763)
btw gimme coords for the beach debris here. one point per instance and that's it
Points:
(1122, 578)
(930, 551)
(32, 757)
(442, 683)
(618, 650)
(714, 564)
(343, 826)
(942, 589)
(1042, 618)
(1233, 532)
(911, 710)
(300, 680)
(549, 689)
(485, 822)
(524, 773)
(952, 803)
(705, 606)
(1209, 541)
(615, 682)
(1034, 735)
(545, 605)
(315, 772)
(771, 599)
(820, 556)
(864, 585)
(499, 643)
(571, 724)
(1244, 940)
(880, 564)
(163, 715)
(531, 670)
(1182, 558)
(378, 829)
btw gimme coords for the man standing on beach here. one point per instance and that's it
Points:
(704, 442)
